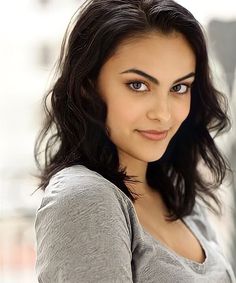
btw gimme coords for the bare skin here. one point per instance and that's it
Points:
(162, 103)
(150, 210)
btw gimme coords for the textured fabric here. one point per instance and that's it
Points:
(87, 230)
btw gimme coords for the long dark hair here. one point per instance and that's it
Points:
(74, 130)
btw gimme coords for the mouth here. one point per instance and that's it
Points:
(154, 135)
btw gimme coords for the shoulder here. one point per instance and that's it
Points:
(82, 222)
(79, 181)
(77, 189)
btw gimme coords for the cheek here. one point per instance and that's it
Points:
(121, 113)
(181, 110)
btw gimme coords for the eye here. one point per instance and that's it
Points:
(137, 86)
(181, 88)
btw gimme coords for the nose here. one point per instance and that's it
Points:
(160, 109)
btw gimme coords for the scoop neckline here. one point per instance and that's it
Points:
(171, 251)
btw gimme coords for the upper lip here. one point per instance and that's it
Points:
(154, 131)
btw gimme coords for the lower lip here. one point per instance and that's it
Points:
(154, 137)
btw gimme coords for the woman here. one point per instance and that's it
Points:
(127, 136)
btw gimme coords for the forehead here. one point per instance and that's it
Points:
(154, 52)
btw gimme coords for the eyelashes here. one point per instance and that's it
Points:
(181, 88)
(136, 83)
(140, 86)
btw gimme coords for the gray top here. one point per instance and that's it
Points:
(87, 231)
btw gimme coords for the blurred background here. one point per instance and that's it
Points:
(31, 32)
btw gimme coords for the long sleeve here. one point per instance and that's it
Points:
(82, 234)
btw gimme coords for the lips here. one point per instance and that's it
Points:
(154, 135)
(154, 132)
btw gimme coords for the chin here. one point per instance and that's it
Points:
(154, 157)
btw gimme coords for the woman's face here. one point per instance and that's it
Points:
(146, 86)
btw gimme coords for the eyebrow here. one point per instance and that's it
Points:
(154, 80)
